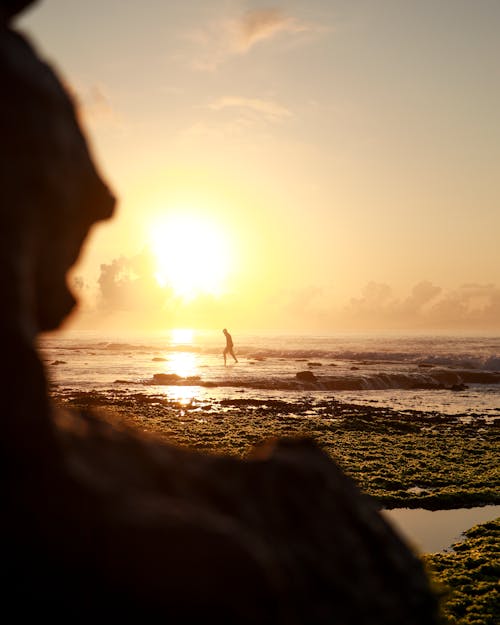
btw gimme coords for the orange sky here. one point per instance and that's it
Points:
(341, 158)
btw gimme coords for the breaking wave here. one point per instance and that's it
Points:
(443, 379)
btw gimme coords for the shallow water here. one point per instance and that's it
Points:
(123, 365)
(371, 370)
(431, 531)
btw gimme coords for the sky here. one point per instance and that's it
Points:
(304, 165)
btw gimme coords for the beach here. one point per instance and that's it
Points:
(414, 442)
(413, 419)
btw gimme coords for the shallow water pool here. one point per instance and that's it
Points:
(429, 531)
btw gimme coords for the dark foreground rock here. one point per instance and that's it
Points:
(100, 524)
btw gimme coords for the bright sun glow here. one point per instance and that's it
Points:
(192, 255)
(181, 336)
(183, 364)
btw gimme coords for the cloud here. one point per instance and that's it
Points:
(421, 296)
(94, 104)
(377, 300)
(244, 115)
(428, 307)
(261, 24)
(470, 306)
(226, 38)
(128, 284)
(129, 294)
(269, 110)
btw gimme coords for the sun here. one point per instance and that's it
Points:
(192, 255)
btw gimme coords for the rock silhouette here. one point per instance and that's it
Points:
(306, 376)
(102, 524)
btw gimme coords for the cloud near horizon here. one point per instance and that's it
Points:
(470, 306)
(127, 295)
(127, 289)
(128, 284)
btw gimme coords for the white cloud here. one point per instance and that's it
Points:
(267, 109)
(262, 24)
(226, 38)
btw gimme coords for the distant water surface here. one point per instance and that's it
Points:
(406, 372)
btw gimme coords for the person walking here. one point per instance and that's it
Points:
(229, 349)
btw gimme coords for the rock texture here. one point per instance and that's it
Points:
(100, 524)
(306, 376)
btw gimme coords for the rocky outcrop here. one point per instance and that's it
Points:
(306, 376)
(99, 523)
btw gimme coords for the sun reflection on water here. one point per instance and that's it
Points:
(183, 364)
(184, 395)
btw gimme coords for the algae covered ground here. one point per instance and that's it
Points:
(403, 459)
(467, 577)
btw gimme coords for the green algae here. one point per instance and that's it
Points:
(467, 577)
(406, 459)
(402, 459)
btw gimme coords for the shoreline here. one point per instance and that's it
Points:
(402, 459)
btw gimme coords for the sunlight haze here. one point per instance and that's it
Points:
(306, 165)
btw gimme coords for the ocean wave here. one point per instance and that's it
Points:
(486, 358)
(492, 363)
(460, 361)
(439, 379)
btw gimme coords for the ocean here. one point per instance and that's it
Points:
(438, 375)
(444, 374)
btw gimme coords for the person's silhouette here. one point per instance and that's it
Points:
(229, 349)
